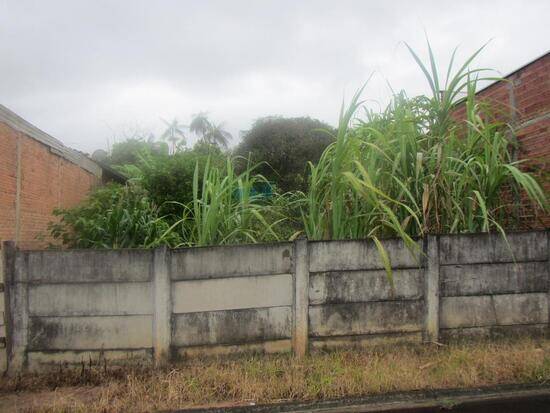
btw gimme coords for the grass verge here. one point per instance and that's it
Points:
(277, 378)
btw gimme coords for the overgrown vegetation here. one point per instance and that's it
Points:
(408, 171)
(168, 179)
(413, 170)
(226, 209)
(114, 217)
(279, 378)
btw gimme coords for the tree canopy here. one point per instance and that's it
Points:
(129, 151)
(209, 132)
(286, 145)
(174, 134)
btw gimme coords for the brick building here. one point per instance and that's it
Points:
(522, 99)
(37, 174)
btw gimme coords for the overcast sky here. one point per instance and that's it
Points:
(86, 71)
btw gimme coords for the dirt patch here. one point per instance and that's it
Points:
(48, 399)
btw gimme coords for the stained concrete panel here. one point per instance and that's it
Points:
(90, 333)
(479, 279)
(359, 255)
(232, 326)
(89, 266)
(38, 360)
(456, 312)
(495, 332)
(361, 286)
(232, 293)
(90, 299)
(521, 308)
(266, 347)
(3, 361)
(493, 248)
(366, 318)
(365, 341)
(231, 261)
(489, 310)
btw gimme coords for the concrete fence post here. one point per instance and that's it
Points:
(162, 306)
(431, 291)
(301, 298)
(17, 308)
(548, 274)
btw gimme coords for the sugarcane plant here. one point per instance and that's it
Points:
(414, 169)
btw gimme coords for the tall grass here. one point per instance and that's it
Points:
(226, 209)
(413, 170)
(408, 171)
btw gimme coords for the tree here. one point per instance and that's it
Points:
(173, 134)
(199, 124)
(286, 144)
(130, 151)
(218, 136)
(169, 178)
(209, 132)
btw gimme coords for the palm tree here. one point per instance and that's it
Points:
(217, 135)
(208, 131)
(199, 124)
(173, 134)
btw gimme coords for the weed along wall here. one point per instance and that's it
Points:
(161, 305)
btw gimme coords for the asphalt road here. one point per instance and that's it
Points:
(504, 399)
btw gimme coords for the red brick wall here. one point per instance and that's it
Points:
(8, 181)
(523, 101)
(47, 181)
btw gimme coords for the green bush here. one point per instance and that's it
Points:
(130, 151)
(168, 179)
(114, 216)
(285, 146)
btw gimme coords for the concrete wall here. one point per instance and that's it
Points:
(161, 305)
(76, 305)
(485, 291)
(229, 296)
(350, 296)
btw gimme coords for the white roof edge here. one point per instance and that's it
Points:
(18, 123)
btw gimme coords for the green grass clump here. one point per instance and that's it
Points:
(413, 170)
(226, 209)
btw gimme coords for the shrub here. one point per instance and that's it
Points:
(113, 217)
(285, 146)
(168, 179)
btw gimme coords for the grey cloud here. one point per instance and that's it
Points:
(81, 69)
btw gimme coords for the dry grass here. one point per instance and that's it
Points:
(264, 379)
